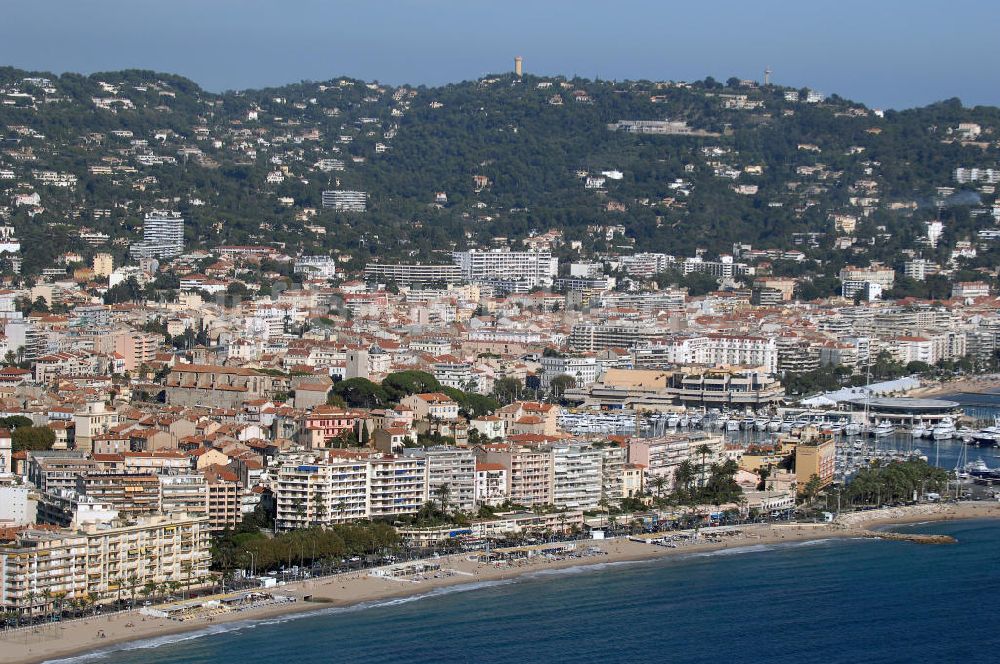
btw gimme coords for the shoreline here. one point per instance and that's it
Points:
(79, 637)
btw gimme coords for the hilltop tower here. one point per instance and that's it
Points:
(767, 76)
(518, 66)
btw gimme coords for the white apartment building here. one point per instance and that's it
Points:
(186, 493)
(647, 303)
(324, 493)
(672, 351)
(645, 265)
(919, 269)
(742, 351)
(454, 374)
(451, 475)
(316, 267)
(162, 236)
(856, 279)
(613, 460)
(491, 484)
(345, 201)
(577, 477)
(396, 485)
(601, 336)
(584, 370)
(527, 269)
(985, 175)
(407, 274)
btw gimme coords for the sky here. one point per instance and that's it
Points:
(884, 53)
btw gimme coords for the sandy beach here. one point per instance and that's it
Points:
(80, 636)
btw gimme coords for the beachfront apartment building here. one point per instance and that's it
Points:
(491, 483)
(577, 478)
(348, 487)
(660, 456)
(451, 475)
(39, 566)
(396, 486)
(815, 455)
(322, 493)
(613, 461)
(224, 498)
(529, 471)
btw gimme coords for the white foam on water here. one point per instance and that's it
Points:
(581, 569)
(735, 551)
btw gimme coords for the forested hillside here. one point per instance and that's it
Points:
(751, 164)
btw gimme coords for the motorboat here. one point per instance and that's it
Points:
(944, 429)
(883, 428)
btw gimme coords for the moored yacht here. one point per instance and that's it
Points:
(944, 429)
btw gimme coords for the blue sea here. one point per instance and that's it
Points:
(829, 601)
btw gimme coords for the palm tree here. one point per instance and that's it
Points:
(186, 568)
(703, 451)
(133, 583)
(149, 589)
(32, 596)
(658, 482)
(443, 492)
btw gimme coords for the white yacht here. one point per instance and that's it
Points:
(944, 429)
(884, 428)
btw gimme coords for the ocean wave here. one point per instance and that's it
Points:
(583, 568)
(735, 551)
(809, 542)
(251, 623)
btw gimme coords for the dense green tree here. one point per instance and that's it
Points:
(32, 438)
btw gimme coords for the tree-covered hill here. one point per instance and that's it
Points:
(759, 164)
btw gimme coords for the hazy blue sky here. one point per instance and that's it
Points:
(889, 53)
